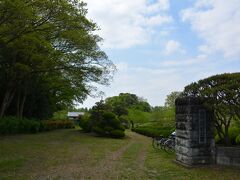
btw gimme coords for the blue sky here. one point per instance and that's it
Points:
(160, 46)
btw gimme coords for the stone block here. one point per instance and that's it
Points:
(228, 156)
(193, 160)
(193, 151)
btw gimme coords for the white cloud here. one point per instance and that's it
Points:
(155, 81)
(158, 20)
(128, 23)
(218, 23)
(173, 46)
(159, 5)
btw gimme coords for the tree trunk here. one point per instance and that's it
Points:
(22, 104)
(18, 104)
(227, 124)
(7, 99)
(226, 137)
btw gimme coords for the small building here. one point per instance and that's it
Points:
(75, 116)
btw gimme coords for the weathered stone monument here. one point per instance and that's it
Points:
(193, 132)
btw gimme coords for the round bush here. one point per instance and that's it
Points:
(98, 130)
(85, 123)
(125, 123)
(108, 130)
(110, 119)
(117, 133)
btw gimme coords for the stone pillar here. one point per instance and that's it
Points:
(193, 132)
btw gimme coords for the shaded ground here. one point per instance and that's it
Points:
(70, 154)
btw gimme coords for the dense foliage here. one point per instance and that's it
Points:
(124, 101)
(233, 133)
(222, 96)
(49, 57)
(170, 100)
(134, 112)
(160, 121)
(102, 121)
(13, 125)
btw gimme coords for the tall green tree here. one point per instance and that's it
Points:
(170, 100)
(222, 95)
(126, 101)
(52, 45)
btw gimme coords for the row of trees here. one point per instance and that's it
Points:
(49, 56)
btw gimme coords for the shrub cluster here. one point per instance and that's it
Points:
(103, 123)
(238, 140)
(49, 125)
(85, 123)
(14, 125)
(234, 136)
(153, 131)
(109, 125)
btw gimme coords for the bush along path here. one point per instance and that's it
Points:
(70, 154)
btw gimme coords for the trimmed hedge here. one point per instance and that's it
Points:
(49, 125)
(14, 125)
(152, 131)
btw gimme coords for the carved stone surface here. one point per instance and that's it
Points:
(193, 132)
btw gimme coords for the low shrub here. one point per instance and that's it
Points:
(125, 123)
(238, 140)
(14, 125)
(152, 131)
(116, 133)
(98, 130)
(108, 125)
(85, 123)
(48, 125)
(108, 129)
(233, 134)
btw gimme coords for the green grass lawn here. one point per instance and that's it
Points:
(71, 154)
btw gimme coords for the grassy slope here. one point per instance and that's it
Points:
(67, 154)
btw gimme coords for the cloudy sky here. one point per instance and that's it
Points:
(160, 46)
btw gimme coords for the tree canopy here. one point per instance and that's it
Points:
(222, 95)
(124, 101)
(49, 56)
(170, 100)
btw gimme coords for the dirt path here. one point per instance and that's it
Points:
(108, 164)
(114, 166)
